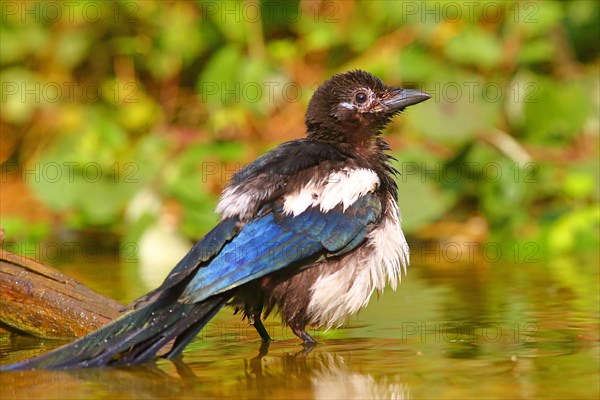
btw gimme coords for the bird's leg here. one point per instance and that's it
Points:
(260, 328)
(299, 331)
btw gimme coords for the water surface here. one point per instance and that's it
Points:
(451, 331)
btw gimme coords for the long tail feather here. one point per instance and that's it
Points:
(134, 338)
(156, 318)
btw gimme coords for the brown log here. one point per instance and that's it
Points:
(40, 301)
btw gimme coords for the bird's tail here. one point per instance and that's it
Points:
(135, 337)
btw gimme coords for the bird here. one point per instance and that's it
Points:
(310, 229)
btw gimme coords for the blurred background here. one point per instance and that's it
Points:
(122, 121)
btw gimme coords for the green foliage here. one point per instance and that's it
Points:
(173, 97)
(565, 108)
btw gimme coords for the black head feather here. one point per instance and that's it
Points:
(355, 106)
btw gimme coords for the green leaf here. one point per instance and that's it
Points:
(72, 48)
(536, 51)
(580, 184)
(557, 111)
(420, 197)
(475, 46)
(461, 107)
(218, 82)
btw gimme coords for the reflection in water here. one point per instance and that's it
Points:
(322, 376)
(511, 331)
(133, 382)
(327, 374)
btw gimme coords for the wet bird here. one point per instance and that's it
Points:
(310, 229)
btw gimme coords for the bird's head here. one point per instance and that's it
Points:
(355, 106)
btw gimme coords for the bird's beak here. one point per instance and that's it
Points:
(402, 98)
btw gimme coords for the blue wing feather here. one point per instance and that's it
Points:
(276, 240)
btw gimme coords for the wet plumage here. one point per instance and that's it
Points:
(310, 230)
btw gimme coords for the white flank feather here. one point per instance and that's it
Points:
(382, 259)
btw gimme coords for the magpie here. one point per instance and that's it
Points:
(310, 229)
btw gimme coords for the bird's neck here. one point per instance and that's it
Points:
(369, 151)
(369, 148)
(374, 152)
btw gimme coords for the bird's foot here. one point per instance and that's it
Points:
(306, 338)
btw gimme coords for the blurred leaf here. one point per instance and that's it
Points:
(583, 28)
(580, 185)
(537, 50)
(282, 50)
(417, 65)
(217, 83)
(198, 218)
(17, 107)
(11, 50)
(564, 233)
(139, 115)
(449, 116)
(176, 74)
(232, 19)
(72, 48)
(420, 197)
(179, 39)
(203, 163)
(421, 202)
(475, 46)
(22, 236)
(97, 185)
(536, 18)
(252, 77)
(17, 44)
(556, 111)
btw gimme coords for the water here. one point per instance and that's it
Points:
(478, 331)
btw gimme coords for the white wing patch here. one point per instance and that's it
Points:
(234, 202)
(340, 187)
(381, 259)
(243, 199)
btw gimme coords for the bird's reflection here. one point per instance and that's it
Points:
(318, 375)
(305, 374)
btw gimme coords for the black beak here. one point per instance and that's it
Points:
(402, 98)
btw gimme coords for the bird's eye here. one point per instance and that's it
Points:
(360, 97)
